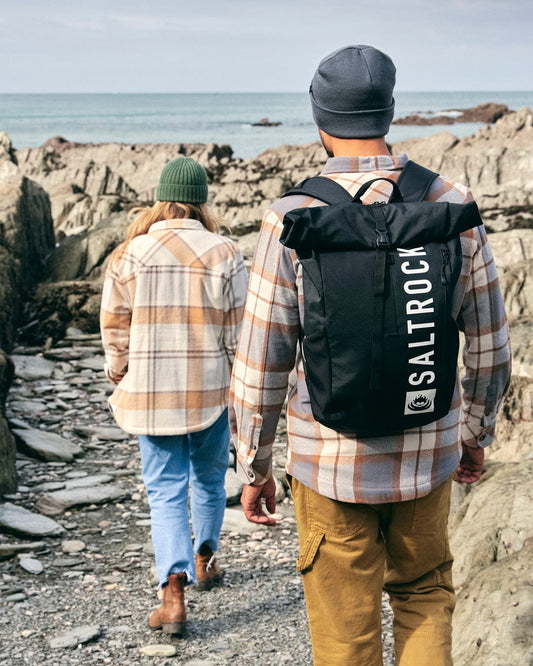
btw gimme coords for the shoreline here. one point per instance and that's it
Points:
(211, 118)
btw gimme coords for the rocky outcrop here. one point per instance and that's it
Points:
(483, 113)
(490, 524)
(55, 306)
(513, 252)
(495, 163)
(87, 182)
(479, 534)
(492, 620)
(492, 568)
(26, 239)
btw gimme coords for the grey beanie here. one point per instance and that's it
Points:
(183, 180)
(351, 93)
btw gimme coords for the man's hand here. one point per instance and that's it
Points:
(252, 505)
(470, 466)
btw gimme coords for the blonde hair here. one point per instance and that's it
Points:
(142, 219)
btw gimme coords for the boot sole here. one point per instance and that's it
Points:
(172, 628)
(208, 584)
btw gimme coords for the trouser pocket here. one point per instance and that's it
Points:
(323, 522)
(309, 550)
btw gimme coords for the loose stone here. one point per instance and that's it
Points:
(72, 546)
(18, 596)
(31, 565)
(158, 650)
(75, 637)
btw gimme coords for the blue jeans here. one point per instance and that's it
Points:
(169, 463)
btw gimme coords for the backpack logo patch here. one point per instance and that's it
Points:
(419, 402)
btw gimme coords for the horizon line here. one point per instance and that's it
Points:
(246, 92)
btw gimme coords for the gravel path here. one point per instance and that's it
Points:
(83, 597)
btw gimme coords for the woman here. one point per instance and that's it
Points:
(172, 303)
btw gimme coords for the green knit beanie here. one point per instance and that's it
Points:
(183, 180)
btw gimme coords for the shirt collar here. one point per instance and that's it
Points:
(183, 223)
(359, 164)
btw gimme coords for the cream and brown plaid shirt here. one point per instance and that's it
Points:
(170, 319)
(268, 366)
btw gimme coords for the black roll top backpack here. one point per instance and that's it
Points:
(379, 342)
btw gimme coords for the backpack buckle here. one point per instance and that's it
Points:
(382, 241)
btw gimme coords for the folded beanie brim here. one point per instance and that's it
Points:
(367, 123)
(181, 193)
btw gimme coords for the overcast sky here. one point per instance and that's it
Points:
(258, 45)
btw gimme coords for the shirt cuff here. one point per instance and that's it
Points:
(245, 473)
(478, 435)
(114, 377)
(253, 463)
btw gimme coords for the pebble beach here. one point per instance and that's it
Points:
(81, 591)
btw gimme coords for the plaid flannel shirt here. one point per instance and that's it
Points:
(170, 319)
(268, 366)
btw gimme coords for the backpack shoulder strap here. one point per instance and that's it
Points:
(414, 181)
(322, 188)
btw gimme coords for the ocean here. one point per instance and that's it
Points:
(211, 117)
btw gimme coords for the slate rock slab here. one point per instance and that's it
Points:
(76, 636)
(8, 550)
(21, 521)
(108, 433)
(87, 481)
(92, 363)
(32, 367)
(47, 445)
(51, 504)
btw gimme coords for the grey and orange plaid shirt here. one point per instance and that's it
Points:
(268, 366)
(170, 319)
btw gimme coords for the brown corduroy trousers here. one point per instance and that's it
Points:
(350, 553)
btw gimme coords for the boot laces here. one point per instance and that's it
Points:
(210, 563)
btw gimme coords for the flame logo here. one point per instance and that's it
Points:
(419, 403)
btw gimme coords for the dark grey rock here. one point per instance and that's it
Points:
(21, 521)
(52, 504)
(87, 481)
(109, 433)
(75, 637)
(47, 445)
(8, 550)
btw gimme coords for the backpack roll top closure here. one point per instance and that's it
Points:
(352, 227)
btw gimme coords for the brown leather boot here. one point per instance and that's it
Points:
(171, 615)
(208, 572)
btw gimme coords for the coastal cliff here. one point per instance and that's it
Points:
(65, 208)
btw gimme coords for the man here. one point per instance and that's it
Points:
(372, 513)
